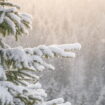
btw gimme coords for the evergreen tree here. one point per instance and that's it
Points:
(18, 66)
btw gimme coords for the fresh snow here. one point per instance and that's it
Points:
(18, 66)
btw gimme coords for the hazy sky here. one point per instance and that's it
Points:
(59, 19)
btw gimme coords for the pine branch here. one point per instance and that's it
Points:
(2, 3)
(18, 66)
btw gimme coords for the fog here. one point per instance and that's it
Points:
(80, 80)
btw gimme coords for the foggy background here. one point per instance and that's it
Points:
(80, 80)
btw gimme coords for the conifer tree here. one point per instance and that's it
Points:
(19, 66)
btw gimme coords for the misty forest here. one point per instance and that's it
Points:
(52, 52)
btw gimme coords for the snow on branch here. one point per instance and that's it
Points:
(67, 47)
(29, 93)
(55, 50)
(12, 22)
(5, 97)
(12, 94)
(18, 68)
(9, 4)
(33, 58)
(59, 101)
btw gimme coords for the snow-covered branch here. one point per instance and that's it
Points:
(9, 4)
(12, 22)
(33, 58)
(18, 66)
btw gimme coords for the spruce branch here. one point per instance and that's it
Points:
(2, 3)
